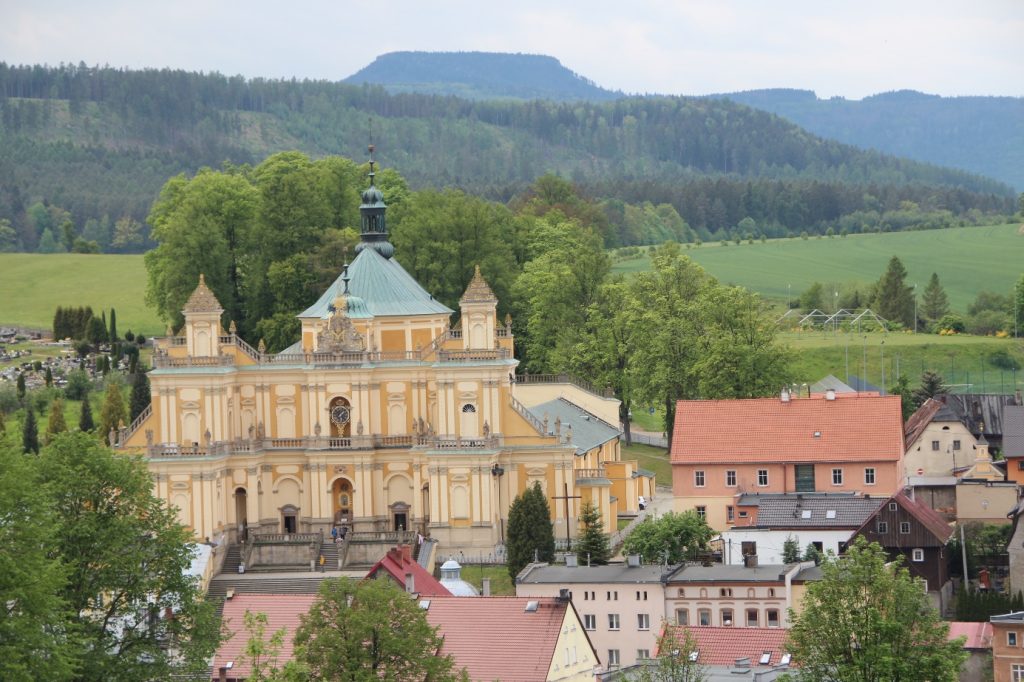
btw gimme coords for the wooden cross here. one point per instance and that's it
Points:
(566, 496)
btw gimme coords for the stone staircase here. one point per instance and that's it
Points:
(329, 550)
(232, 559)
(308, 584)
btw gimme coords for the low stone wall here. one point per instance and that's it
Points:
(267, 555)
(366, 549)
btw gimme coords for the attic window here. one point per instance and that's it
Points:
(893, 506)
(806, 514)
(786, 658)
(817, 434)
(694, 655)
(531, 606)
(765, 657)
(424, 604)
(830, 514)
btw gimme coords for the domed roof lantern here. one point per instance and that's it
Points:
(372, 210)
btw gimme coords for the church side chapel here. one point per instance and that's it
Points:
(380, 418)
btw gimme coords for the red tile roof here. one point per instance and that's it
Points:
(920, 420)
(495, 638)
(861, 428)
(722, 646)
(398, 561)
(283, 610)
(979, 635)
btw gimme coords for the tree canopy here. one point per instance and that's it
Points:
(369, 629)
(672, 538)
(868, 620)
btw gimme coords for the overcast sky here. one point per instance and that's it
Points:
(851, 48)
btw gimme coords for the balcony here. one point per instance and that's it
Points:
(321, 443)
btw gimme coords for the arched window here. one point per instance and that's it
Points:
(468, 408)
(469, 427)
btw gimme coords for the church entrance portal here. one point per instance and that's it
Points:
(400, 516)
(289, 519)
(241, 518)
(341, 491)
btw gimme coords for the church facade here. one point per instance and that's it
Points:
(381, 417)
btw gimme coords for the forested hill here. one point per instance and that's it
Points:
(983, 135)
(100, 142)
(480, 75)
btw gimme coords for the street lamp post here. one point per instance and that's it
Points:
(915, 307)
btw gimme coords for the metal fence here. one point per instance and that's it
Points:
(645, 439)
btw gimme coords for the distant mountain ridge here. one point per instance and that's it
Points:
(480, 75)
(979, 134)
(983, 135)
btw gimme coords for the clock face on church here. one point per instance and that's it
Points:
(340, 415)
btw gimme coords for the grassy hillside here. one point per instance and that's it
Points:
(34, 285)
(968, 260)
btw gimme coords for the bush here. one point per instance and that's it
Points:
(1003, 360)
(986, 322)
(8, 398)
(953, 323)
(78, 385)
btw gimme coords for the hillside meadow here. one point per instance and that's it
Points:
(967, 260)
(33, 285)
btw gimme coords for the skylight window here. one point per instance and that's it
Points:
(830, 514)
(806, 514)
(424, 604)
(694, 655)
(786, 658)
(765, 657)
(531, 605)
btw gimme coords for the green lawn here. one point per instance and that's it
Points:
(501, 582)
(964, 361)
(651, 458)
(33, 285)
(967, 259)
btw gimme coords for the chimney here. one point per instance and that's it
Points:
(750, 560)
(563, 595)
(410, 582)
(784, 396)
(830, 394)
(485, 587)
(406, 553)
(633, 560)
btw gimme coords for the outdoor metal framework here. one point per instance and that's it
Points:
(820, 319)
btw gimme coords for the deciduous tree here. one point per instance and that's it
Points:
(127, 560)
(369, 629)
(34, 642)
(868, 620)
(674, 537)
(674, 662)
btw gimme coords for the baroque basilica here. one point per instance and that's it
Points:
(382, 417)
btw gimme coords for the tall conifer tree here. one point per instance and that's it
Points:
(56, 423)
(85, 422)
(30, 433)
(530, 532)
(934, 302)
(593, 543)
(894, 299)
(140, 396)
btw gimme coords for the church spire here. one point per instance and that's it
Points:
(374, 233)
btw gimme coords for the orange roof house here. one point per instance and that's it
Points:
(400, 566)
(513, 639)
(827, 443)
(718, 647)
(283, 611)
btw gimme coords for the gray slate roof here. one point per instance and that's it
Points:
(385, 287)
(588, 431)
(975, 409)
(836, 384)
(541, 574)
(813, 512)
(729, 573)
(1013, 431)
